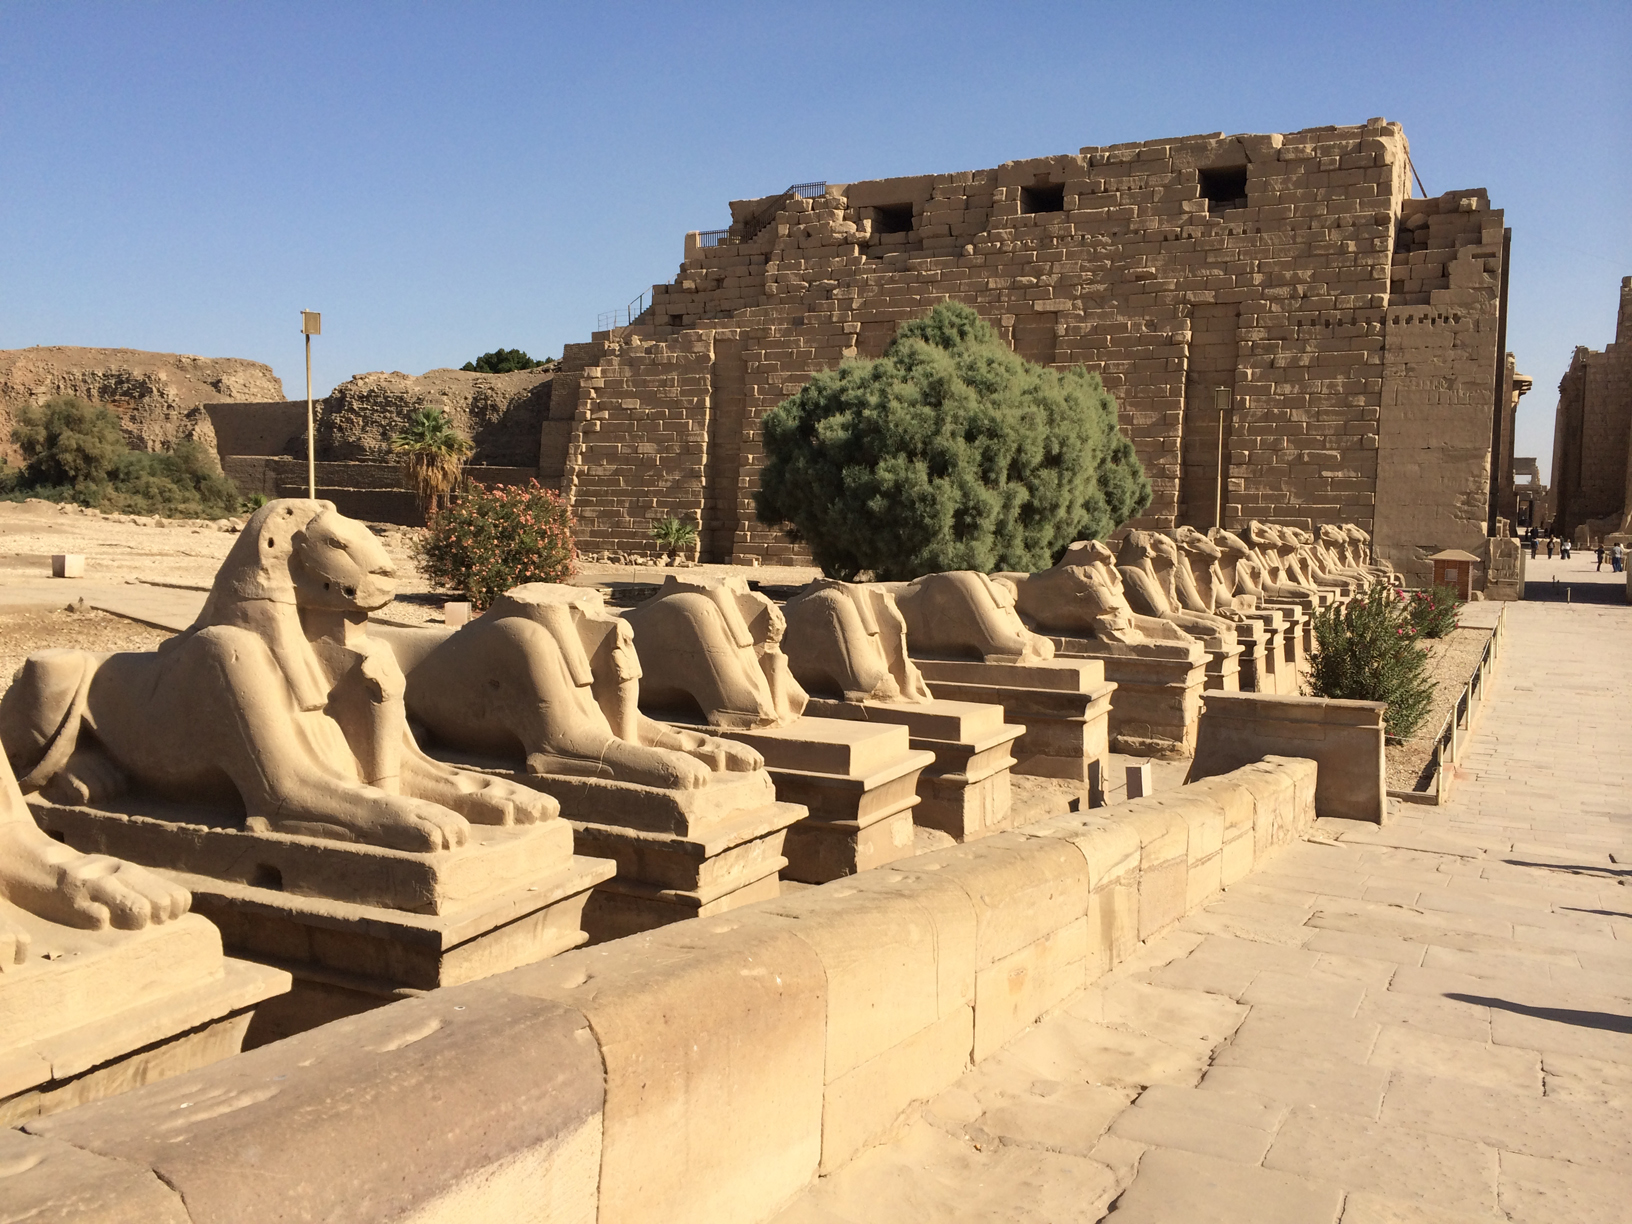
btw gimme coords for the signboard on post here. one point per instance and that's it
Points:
(311, 324)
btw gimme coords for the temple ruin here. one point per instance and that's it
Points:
(1592, 434)
(1347, 336)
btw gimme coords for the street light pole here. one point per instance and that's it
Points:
(1221, 401)
(311, 324)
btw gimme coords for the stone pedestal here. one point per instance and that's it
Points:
(965, 793)
(356, 925)
(1297, 644)
(1064, 705)
(680, 853)
(91, 1014)
(858, 780)
(1268, 629)
(1223, 666)
(1157, 700)
(1253, 638)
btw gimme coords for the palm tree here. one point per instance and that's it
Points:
(432, 454)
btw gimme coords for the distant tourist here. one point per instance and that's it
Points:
(1600, 556)
(1549, 548)
(1618, 558)
(1564, 548)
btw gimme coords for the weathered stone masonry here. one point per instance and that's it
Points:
(1592, 433)
(1357, 333)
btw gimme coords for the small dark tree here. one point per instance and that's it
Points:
(504, 361)
(1368, 651)
(949, 452)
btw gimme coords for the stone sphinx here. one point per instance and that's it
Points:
(971, 644)
(847, 645)
(1082, 596)
(101, 965)
(1278, 579)
(1153, 575)
(275, 700)
(711, 655)
(547, 673)
(264, 754)
(712, 648)
(1331, 548)
(965, 615)
(1360, 555)
(849, 640)
(545, 685)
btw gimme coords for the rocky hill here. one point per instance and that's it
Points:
(158, 396)
(501, 413)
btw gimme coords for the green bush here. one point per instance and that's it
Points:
(674, 535)
(1369, 651)
(504, 361)
(74, 452)
(1433, 612)
(67, 441)
(949, 452)
(492, 539)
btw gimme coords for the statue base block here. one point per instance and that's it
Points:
(859, 782)
(386, 923)
(91, 1014)
(1223, 667)
(679, 853)
(965, 793)
(1157, 703)
(1064, 705)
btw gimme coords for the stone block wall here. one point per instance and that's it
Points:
(1592, 430)
(1293, 271)
(703, 1072)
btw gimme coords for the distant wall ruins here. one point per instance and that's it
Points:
(1357, 333)
(1592, 432)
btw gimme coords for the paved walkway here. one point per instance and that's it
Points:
(1431, 1021)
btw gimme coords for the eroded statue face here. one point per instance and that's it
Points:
(337, 565)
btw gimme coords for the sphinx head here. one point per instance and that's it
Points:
(1193, 542)
(1228, 542)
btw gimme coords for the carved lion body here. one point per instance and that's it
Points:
(275, 698)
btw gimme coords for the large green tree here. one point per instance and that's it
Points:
(949, 452)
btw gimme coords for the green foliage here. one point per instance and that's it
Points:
(949, 452)
(432, 454)
(1368, 651)
(1433, 612)
(674, 535)
(74, 452)
(504, 361)
(67, 441)
(490, 540)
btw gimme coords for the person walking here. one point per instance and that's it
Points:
(1600, 555)
(1618, 558)
(1564, 549)
(1549, 548)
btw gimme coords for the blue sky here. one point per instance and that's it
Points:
(443, 179)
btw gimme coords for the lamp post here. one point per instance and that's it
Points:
(311, 324)
(1221, 401)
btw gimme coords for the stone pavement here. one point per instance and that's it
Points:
(1431, 1021)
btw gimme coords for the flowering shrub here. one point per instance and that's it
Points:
(492, 539)
(1369, 651)
(1433, 612)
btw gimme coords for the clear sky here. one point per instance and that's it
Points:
(444, 179)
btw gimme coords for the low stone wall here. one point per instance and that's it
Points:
(706, 1071)
(1344, 737)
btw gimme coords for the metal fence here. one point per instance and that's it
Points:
(1458, 725)
(712, 238)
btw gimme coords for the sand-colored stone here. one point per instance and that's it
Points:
(544, 687)
(710, 654)
(263, 756)
(105, 978)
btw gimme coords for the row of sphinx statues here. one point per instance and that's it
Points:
(282, 702)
